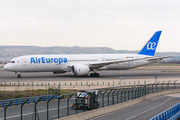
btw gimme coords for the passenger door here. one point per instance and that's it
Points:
(23, 61)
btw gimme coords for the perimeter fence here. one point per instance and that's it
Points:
(20, 86)
(60, 106)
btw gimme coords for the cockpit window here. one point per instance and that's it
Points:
(12, 61)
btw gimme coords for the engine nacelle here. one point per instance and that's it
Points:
(80, 70)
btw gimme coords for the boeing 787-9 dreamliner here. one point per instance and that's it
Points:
(85, 64)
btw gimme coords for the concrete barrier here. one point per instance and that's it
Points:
(108, 109)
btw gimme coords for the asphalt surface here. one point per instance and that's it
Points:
(13, 113)
(104, 75)
(142, 111)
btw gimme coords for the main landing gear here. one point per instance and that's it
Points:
(94, 75)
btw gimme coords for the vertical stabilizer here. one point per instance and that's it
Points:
(151, 45)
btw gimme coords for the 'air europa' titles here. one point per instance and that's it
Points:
(48, 60)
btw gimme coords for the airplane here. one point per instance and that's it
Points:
(85, 64)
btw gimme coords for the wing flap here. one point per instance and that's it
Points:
(159, 58)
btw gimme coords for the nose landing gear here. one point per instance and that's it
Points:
(18, 74)
(94, 75)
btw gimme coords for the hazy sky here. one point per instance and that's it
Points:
(119, 24)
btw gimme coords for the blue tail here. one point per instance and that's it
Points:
(151, 45)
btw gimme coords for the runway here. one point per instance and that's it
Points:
(104, 75)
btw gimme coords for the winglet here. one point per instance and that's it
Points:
(151, 45)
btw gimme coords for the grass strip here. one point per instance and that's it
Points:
(30, 93)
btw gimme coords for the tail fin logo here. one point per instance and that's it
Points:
(151, 46)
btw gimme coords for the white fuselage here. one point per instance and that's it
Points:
(61, 63)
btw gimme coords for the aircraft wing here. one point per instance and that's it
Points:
(159, 58)
(101, 64)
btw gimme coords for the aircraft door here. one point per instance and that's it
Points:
(101, 59)
(131, 63)
(23, 61)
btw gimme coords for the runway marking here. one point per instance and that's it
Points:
(158, 97)
(39, 107)
(55, 116)
(31, 113)
(149, 109)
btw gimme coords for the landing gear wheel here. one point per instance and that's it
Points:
(91, 75)
(19, 76)
(94, 75)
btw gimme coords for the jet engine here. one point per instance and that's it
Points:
(80, 70)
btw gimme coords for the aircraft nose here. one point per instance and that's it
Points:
(6, 67)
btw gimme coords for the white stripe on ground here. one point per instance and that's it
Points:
(149, 109)
(30, 113)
